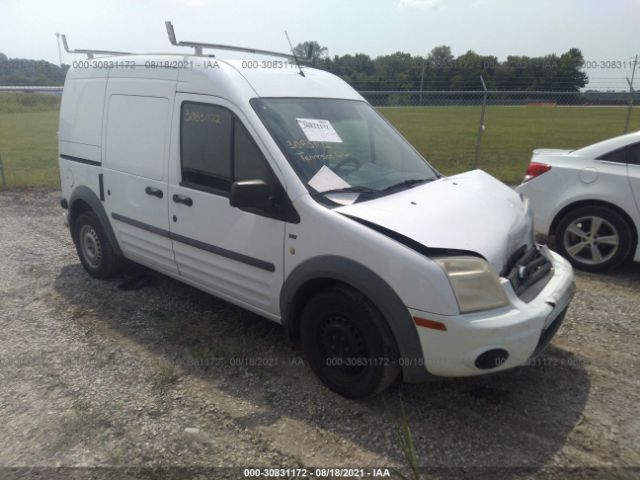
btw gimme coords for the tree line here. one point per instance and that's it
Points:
(21, 71)
(439, 70)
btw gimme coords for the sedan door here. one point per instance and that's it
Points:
(633, 171)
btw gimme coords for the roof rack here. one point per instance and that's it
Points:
(90, 53)
(198, 46)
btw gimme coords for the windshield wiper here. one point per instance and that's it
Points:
(353, 189)
(407, 183)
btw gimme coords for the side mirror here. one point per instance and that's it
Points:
(251, 195)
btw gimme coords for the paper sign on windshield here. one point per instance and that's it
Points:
(325, 179)
(317, 130)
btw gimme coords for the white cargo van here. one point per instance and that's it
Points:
(283, 191)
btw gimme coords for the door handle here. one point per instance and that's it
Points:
(156, 192)
(183, 199)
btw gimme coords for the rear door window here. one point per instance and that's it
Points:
(617, 156)
(633, 154)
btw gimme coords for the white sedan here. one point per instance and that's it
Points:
(588, 201)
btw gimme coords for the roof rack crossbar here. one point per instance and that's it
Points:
(198, 46)
(90, 53)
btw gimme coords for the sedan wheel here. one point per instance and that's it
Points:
(591, 240)
(594, 238)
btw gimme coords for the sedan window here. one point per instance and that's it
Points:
(618, 156)
(633, 154)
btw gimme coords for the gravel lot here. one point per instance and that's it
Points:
(94, 376)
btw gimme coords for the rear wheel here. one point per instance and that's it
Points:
(348, 343)
(594, 238)
(96, 253)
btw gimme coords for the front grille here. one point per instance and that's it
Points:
(528, 270)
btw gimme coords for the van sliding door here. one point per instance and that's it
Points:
(137, 126)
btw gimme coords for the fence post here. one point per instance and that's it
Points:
(4, 180)
(481, 127)
(631, 94)
(422, 80)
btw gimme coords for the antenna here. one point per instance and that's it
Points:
(295, 57)
(89, 53)
(198, 46)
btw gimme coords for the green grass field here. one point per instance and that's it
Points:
(446, 136)
(28, 142)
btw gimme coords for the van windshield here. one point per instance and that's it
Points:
(342, 146)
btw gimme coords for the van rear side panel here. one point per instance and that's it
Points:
(81, 117)
(80, 129)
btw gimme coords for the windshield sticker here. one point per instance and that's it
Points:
(326, 180)
(318, 130)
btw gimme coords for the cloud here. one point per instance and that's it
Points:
(421, 4)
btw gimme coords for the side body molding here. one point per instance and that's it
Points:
(89, 197)
(345, 270)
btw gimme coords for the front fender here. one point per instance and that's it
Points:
(358, 276)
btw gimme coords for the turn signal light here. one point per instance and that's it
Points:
(423, 322)
(536, 169)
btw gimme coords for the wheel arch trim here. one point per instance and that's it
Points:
(346, 271)
(84, 194)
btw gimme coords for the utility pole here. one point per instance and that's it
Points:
(631, 95)
(481, 127)
(59, 50)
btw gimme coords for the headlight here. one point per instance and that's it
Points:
(475, 285)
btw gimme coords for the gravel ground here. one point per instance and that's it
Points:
(161, 378)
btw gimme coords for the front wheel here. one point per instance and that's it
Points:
(348, 343)
(594, 238)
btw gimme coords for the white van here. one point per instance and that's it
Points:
(287, 194)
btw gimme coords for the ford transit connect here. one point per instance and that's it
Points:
(284, 192)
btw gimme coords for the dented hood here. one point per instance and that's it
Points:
(471, 211)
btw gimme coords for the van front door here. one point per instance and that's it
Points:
(233, 254)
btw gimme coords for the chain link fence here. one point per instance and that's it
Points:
(398, 98)
(450, 129)
(447, 127)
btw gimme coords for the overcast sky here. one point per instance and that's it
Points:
(603, 29)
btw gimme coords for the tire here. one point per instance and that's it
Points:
(95, 251)
(581, 234)
(348, 343)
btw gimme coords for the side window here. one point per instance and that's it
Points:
(216, 149)
(633, 154)
(618, 156)
(205, 145)
(249, 164)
